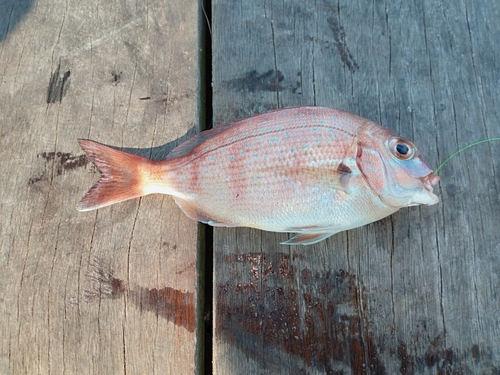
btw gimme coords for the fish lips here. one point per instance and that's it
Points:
(426, 196)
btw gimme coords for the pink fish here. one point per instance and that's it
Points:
(308, 170)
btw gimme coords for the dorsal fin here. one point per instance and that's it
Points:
(186, 147)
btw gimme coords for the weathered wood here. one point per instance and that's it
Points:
(112, 291)
(416, 292)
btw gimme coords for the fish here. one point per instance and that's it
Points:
(310, 171)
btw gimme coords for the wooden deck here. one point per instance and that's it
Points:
(123, 290)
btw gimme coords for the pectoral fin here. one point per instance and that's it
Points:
(337, 177)
(308, 238)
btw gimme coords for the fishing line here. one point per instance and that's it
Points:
(465, 148)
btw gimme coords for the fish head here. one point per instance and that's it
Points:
(394, 169)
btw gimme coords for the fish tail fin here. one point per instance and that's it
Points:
(123, 176)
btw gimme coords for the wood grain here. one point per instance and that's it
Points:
(112, 291)
(416, 293)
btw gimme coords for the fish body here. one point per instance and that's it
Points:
(308, 170)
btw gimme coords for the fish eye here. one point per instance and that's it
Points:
(401, 149)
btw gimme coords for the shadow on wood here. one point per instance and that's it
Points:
(12, 13)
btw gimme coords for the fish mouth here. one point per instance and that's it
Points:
(428, 197)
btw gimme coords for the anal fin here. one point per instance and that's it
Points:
(195, 212)
(192, 210)
(308, 238)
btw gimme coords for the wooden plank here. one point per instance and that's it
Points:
(416, 292)
(112, 291)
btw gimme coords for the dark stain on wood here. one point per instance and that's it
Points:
(164, 97)
(189, 266)
(34, 180)
(169, 303)
(243, 110)
(116, 77)
(298, 84)
(164, 100)
(103, 283)
(341, 43)
(323, 327)
(253, 81)
(174, 305)
(452, 189)
(271, 308)
(64, 161)
(58, 85)
(475, 352)
(444, 360)
(407, 365)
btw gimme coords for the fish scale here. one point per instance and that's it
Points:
(264, 165)
(309, 170)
